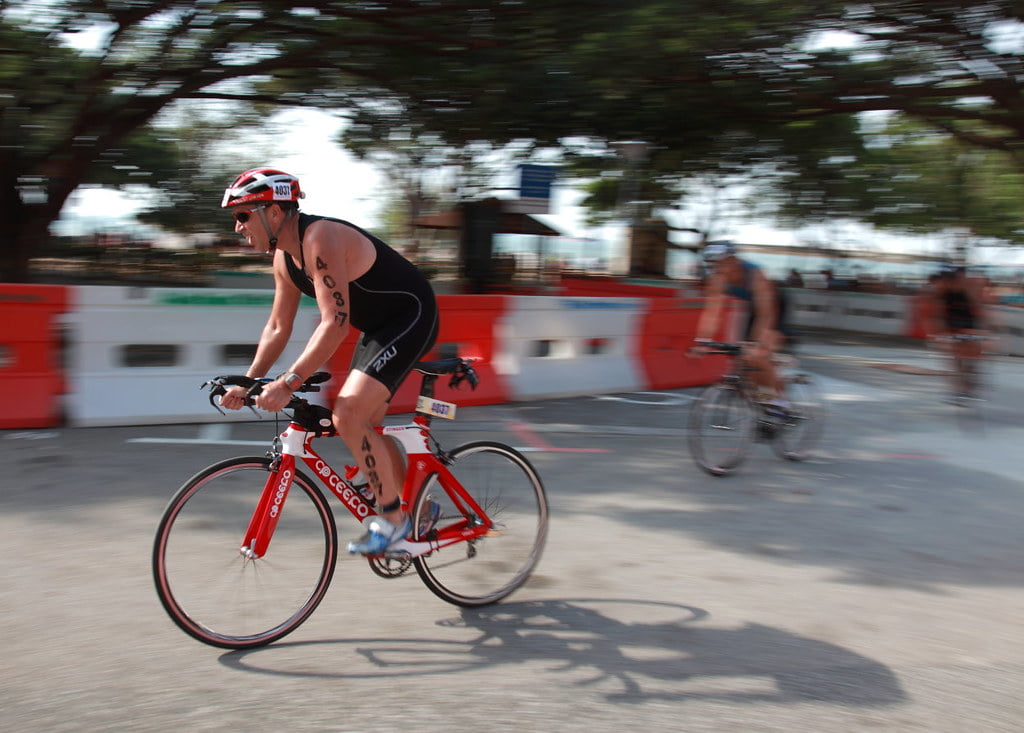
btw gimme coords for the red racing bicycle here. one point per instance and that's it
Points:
(246, 549)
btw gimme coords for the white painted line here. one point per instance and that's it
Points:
(668, 399)
(31, 436)
(266, 443)
(199, 441)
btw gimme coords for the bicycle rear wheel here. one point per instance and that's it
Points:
(801, 429)
(484, 570)
(721, 429)
(210, 589)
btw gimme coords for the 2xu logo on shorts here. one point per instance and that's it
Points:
(384, 358)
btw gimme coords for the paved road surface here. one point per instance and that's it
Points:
(877, 587)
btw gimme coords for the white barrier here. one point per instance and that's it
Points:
(139, 355)
(554, 347)
(863, 312)
(890, 315)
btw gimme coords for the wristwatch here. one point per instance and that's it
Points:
(288, 377)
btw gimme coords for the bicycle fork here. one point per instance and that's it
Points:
(268, 510)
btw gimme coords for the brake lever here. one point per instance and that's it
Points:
(252, 393)
(216, 390)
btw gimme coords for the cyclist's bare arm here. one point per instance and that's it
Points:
(328, 249)
(764, 311)
(275, 334)
(714, 302)
(278, 329)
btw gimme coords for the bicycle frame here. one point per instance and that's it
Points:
(295, 444)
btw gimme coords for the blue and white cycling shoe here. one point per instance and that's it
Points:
(380, 535)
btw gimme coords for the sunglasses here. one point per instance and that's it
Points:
(243, 216)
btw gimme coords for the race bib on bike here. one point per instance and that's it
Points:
(436, 408)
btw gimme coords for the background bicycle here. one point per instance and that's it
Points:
(246, 549)
(728, 417)
(967, 353)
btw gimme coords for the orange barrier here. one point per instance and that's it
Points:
(921, 312)
(609, 287)
(31, 373)
(669, 327)
(467, 329)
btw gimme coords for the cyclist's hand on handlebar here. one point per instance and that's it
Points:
(233, 398)
(698, 349)
(275, 396)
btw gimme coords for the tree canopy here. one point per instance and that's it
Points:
(709, 86)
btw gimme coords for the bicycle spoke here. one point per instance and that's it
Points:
(801, 429)
(488, 568)
(206, 584)
(721, 429)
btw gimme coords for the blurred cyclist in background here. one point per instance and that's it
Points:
(358, 281)
(959, 308)
(730, 276)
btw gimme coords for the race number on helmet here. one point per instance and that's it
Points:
(262, 185)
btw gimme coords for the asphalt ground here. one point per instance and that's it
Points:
(879, 585)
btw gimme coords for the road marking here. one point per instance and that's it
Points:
(216, 434)
(198, 441)
(537, 443)
(668, 399)
(31, 436)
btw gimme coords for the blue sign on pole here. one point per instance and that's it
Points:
(534, 188)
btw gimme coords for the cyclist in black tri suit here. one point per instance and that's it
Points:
(764, 330)
(358, 281)
(959, 309)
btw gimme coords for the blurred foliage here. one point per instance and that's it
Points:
(212, 142)
(724, 89)
(920, 179)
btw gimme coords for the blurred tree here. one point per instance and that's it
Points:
(63, 110)
(733, 90)
(711, 86)
(212, 143)
(925, 180)
(420, 168)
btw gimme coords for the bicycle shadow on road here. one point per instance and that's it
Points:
(627, 651)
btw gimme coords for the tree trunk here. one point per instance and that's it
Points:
(14, 246)
(25, 226)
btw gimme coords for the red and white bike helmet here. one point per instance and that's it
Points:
(262, 185)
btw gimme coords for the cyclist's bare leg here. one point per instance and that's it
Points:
(765, 374)
(358, 409)
(966, 355)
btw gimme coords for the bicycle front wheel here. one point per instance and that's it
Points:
(484, 570)
(721, 429)
(214, 592)
(802, 427)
